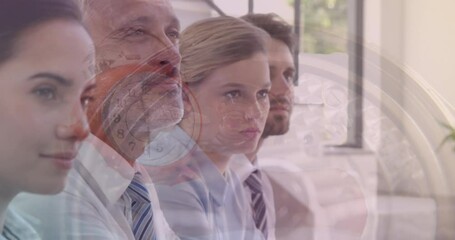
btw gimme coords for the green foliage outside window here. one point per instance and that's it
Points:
(324, 25)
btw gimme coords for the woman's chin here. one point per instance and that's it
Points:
(50, 188)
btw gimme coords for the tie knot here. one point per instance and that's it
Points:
(137, 189)
(254, 181)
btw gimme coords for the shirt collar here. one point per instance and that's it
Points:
(175, 145)
(109, 169)
(242, 166)
(168, 147)
(217, 183)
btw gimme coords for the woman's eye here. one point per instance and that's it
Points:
(232, 94)
(263, 93)
(46, 93)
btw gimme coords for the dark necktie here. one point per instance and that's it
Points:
(254, 182)
(141, 209)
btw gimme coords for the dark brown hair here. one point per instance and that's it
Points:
(275, 26)
(16, 16)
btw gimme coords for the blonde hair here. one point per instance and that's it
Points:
(216, 42)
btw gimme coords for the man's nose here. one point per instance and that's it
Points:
(166, 61)
(281, 87)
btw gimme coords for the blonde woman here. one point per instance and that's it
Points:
(45, 81)
(225, 74)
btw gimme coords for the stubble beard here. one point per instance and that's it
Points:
(275, 125)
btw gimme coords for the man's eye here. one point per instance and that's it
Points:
(173, 34)
(46, 93)
(86, 100)
(135, 32)
(129, 33)
(290, 79)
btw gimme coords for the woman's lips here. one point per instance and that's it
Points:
(251, 132)
(62, 160)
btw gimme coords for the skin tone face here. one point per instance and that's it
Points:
(133, 35)
(281, 95)
(232, 104)
(44, 88)
(134, 31)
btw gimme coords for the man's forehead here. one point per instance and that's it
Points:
(279, 52)
(116, 7)
(112, 14)
(275, 45)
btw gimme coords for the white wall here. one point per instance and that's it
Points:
(429, 37)
(189, 11)
(414, 41)
(418, 33)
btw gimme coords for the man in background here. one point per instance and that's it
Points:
(302, 204)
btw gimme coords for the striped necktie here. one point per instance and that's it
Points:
(141, 210)
(254, 182)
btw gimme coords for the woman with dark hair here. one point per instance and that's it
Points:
(46, 58)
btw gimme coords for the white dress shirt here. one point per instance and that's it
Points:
(293, 206)
(243, 167)
(198, 201)
(16, 228)
(92, 205)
